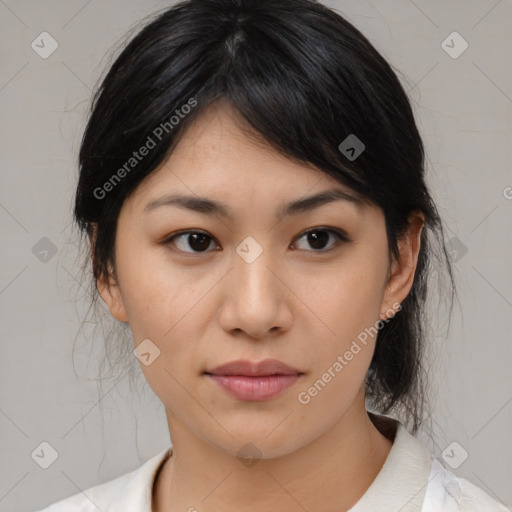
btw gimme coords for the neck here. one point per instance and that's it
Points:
(337, 467)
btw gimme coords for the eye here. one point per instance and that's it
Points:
(197, 240)
(318, 237)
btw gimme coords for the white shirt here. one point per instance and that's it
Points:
(410, 480)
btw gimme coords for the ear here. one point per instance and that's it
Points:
(108, 287)
(401, 274)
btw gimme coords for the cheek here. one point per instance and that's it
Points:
(344, 300)
(156, 295)
(170, 307)
(346, 303)
(344, 343)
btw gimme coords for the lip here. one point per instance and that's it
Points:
(254, 369)
(254, 389)
(254, 381)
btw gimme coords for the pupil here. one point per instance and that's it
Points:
(314, 238)
(202, 238)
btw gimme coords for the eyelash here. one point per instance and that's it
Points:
(342, 238)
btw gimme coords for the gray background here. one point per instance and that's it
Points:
(463, 107)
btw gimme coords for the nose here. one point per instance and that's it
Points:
(256, 298)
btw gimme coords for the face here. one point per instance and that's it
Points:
(253, 282)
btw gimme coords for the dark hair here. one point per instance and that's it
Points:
(304, 79)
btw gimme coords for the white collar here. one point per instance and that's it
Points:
(136, 492)
(402, 481)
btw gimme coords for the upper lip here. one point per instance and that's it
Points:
(254, 369)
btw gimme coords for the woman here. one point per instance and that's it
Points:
(252, 186)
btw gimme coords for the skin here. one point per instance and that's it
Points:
(297, 303)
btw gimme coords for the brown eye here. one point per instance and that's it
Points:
(195, 240)
(318, 238)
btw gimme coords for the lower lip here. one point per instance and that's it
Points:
(254, 388)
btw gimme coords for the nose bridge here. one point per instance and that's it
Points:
(252, 303)
(255, 300)
(251, 270)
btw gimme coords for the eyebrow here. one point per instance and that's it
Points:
(212, 207)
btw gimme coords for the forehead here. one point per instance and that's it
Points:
(222, 140)
(219, 156)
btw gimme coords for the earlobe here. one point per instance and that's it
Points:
(111, 295)
(107, 286)
(403, 270)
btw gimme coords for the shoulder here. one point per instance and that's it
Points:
(448, 493)
(134, 488)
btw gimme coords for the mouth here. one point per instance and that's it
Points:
(251, 381)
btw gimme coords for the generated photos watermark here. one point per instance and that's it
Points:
(304, 397)
(145, 149)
